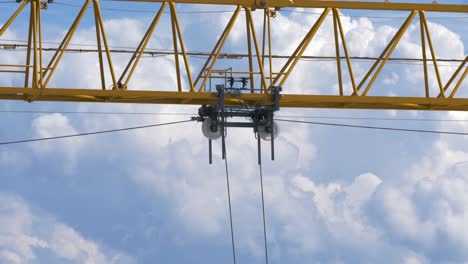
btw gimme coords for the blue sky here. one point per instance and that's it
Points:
(333, 195)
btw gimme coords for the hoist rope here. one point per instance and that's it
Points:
(230, 209)
(263, 213)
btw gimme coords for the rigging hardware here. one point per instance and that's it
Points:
(259, 117)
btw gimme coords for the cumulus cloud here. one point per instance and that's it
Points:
(366, 219)
(16, 244)
(68, 244)
(422, 221)
(51, 125)
(311, 216)
(429, 212)
(25, 232)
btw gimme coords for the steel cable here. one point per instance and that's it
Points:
(230, 208)
(376, 127)
(91, 133)
(263, 213)
(354, 118)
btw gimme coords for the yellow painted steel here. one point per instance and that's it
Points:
(63, 46)
(391, 48)
(39, 23)
(99, 46)
(386, 53)
(15, 65)
(219, 46)
(270, 59)
(141, 48)
(249, 50)
(455, 74)
(12, 71)
(345, 49)
(176, 51)
(28, 53)
(434, 58)
(265, 14)
(104, 39)
(292, 62)
(189, 98)
(182, 45)
(13, 17)
(34, 6)
(423, 47)
(258, 94)
(250, 23)
(390, 6)
(337, 52)
(457, 86)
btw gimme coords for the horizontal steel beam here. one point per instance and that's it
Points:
(324, 4)
(38, 73)
(193, 98)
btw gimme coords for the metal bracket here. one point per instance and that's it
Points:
(260, 118)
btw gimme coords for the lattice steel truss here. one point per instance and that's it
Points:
(38, 72)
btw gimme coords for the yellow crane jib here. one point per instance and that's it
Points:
(262, 69)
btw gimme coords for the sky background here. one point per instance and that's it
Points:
(333, 195)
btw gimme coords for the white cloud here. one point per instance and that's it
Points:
(392, 79)
(15, 221)
(415, 259)
(23, 232)
(51, 125)
(430, 209)
(10, 79)
(67, 243)
(329, 219)
(432, 166)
